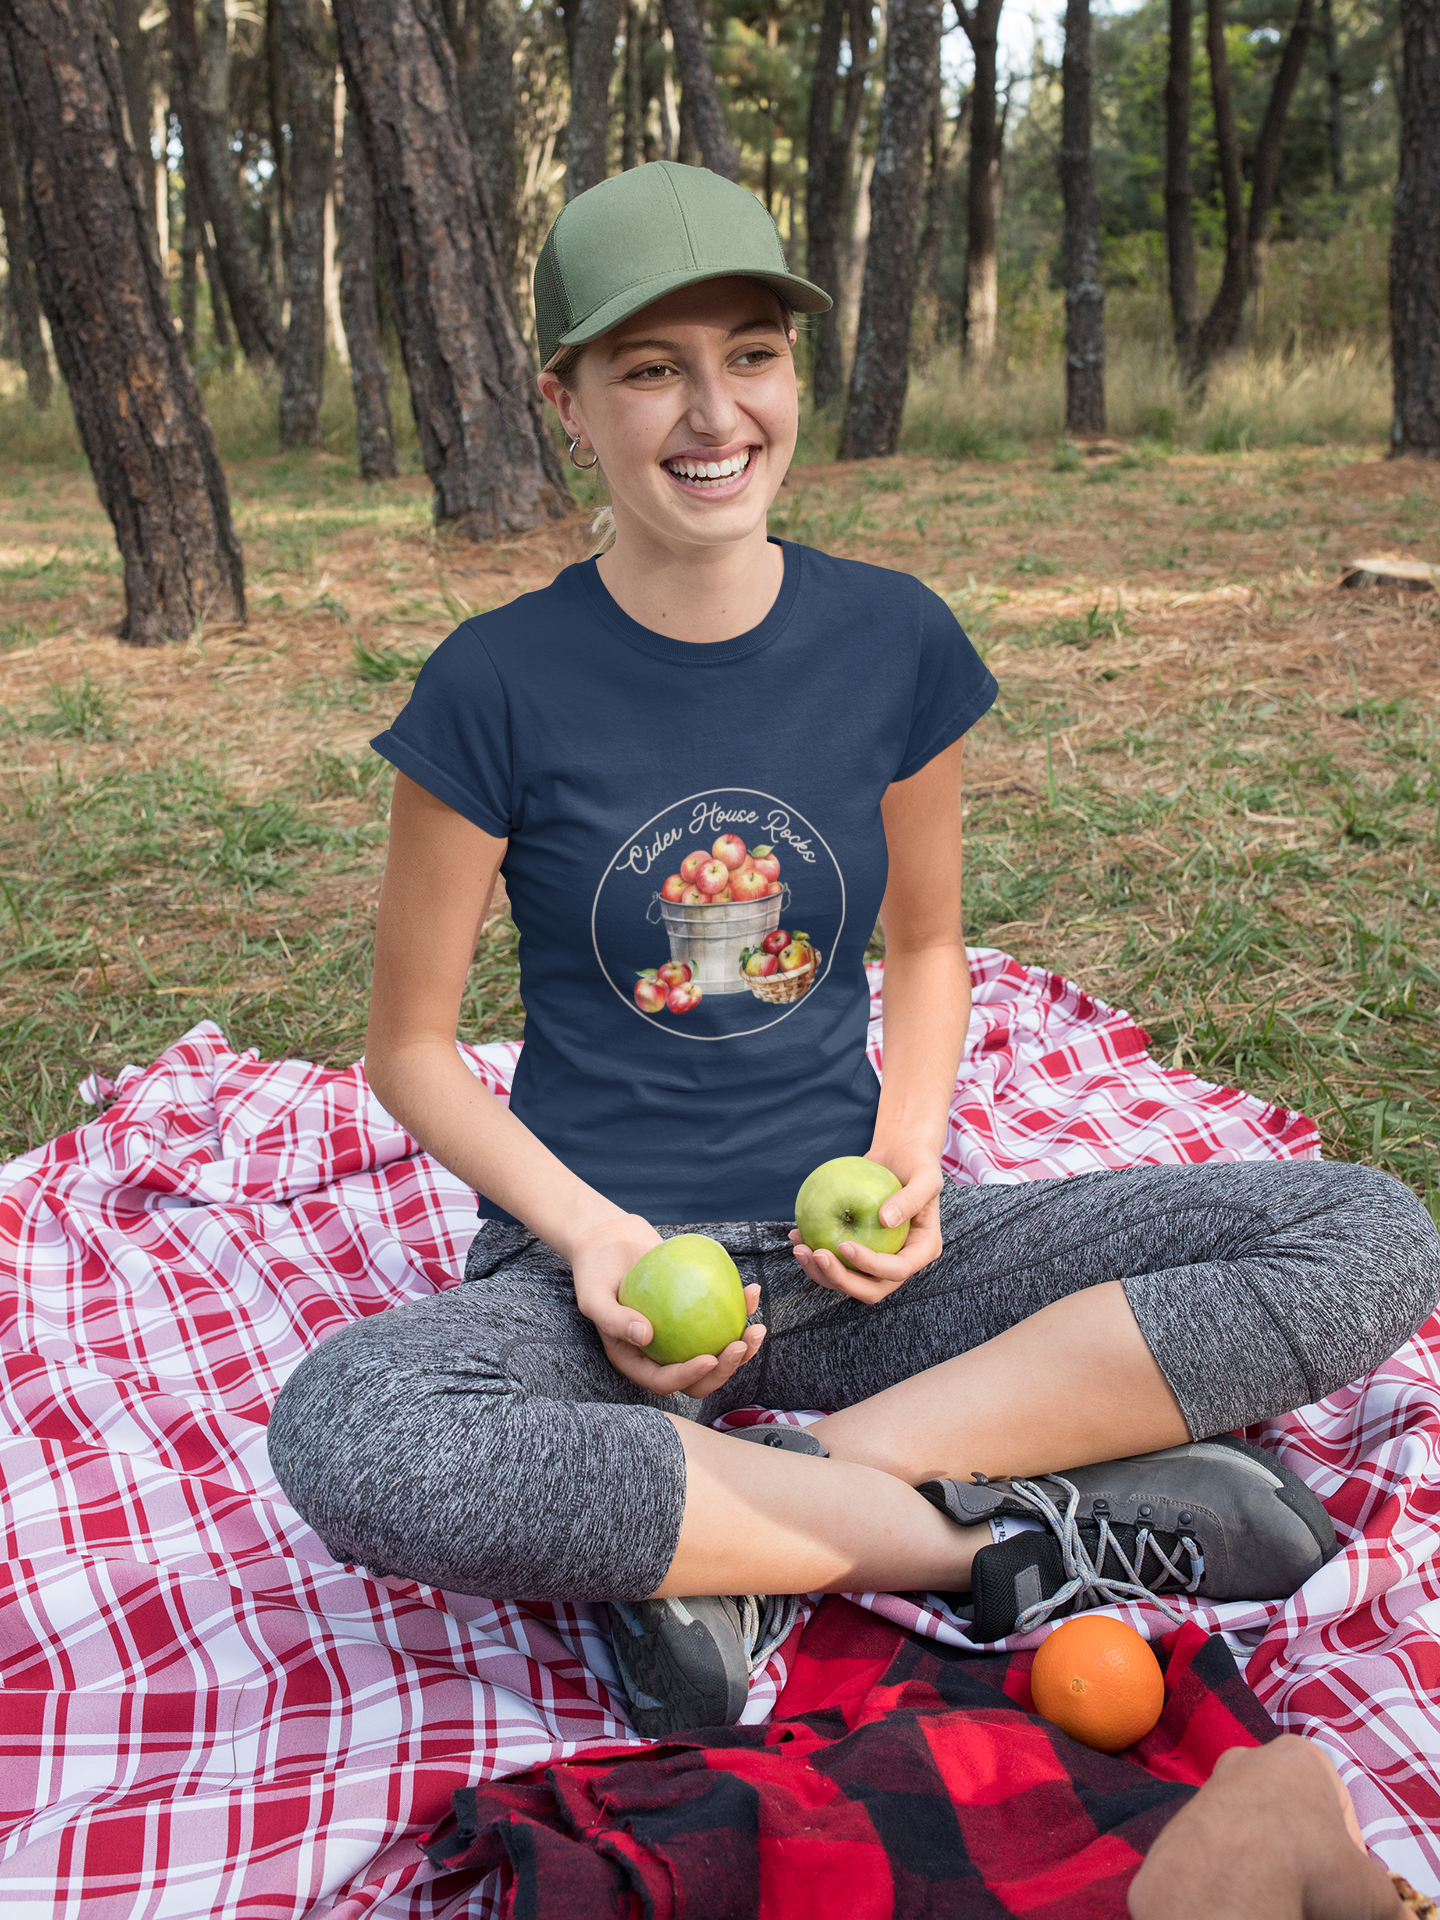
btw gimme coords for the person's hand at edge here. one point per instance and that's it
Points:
(599, 1261)
(1271, 1833)
(871, 1277)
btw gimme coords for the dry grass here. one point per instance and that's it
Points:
(1210, 791)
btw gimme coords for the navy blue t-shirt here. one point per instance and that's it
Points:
(634, 777)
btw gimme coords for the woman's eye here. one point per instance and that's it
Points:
(755, 357)
(657, 372)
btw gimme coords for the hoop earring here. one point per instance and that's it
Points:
(583, 465)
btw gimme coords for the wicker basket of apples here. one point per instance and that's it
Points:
(782, 968)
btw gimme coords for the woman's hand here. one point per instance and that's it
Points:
(600, 1261)
(918, 1201)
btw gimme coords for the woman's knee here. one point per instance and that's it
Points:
(1359, 1270)
(449, 1469)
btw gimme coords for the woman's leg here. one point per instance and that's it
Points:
(1068, 1321)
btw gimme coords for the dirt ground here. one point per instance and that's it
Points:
(1195, 717)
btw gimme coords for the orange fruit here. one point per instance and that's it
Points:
(1097, 1680)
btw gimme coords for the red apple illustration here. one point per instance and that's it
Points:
(674, 973)
(766, 862)
(673, 889)
(774, 887)
(682, 999)
(759, 964)
(649, 994)
(691, 865)
(721, 899)
(777, 941)
(692, 897)
(712, 877)
(730, 848)
(798, 954)
(748, 884)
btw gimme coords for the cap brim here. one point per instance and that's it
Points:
(800, 295)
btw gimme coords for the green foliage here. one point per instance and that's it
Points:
(79, 711)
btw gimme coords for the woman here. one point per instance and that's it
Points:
(665, 751)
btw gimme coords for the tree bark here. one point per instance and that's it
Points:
(135, 401)
(1415, 239)
(987, 138)
(23, 292)
(307, 52)
(829, 177)
(701, 97)
(881, 372)
(1220, 328)
(1266, 167)
(1335, 93)
(135, 74)
(1179, 188)
(592, 69)
(279, 194)
(205, 131)
(1084, 294)
(482, 433)
(633, 92)
(369, 381)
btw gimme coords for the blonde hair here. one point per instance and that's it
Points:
(565, 364)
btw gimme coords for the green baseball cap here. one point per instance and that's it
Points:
(645, 233)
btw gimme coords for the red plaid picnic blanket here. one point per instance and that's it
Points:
(897, 1777)
(204, 1715)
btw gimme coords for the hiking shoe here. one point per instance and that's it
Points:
(787, 1439)
(1218, 1519)
(687, 1663)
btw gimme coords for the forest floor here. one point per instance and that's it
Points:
(1210, 791)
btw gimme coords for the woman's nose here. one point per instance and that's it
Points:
(712, 409)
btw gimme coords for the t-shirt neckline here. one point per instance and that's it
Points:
(691, 653)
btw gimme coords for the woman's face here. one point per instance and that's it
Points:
(702, 380)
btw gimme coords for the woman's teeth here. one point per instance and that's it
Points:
(699, 472)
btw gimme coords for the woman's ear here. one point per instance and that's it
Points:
(563, 402)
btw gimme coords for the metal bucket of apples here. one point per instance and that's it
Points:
(723, 902)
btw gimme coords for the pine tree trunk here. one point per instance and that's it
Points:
(1415, 239)
(492, 123)
(829, 179)
(633, 95)
(135, 401)
(205, 131)
(482, 433)
(277, 199)
(880, 375)
(1220, 329)
(701, 97)
(1179, 188)
(1335, 95)
(987, 138)
(592, 69)
(23, 293)
(374, 433)
(1266, 168)
(135, 73)
(1084, 294)
(307, 50)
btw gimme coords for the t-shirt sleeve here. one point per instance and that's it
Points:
(953, 686)
(452, 737)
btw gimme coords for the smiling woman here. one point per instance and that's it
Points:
(706, 761)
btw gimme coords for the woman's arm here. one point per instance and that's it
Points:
(927, 1010)
(438, 884)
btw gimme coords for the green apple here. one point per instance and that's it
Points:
(842, 1200)
(690, 1291)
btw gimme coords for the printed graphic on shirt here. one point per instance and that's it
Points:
(720, 915)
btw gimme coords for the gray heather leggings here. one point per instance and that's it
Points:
(480, 1440)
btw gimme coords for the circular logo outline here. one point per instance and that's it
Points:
(628, 999)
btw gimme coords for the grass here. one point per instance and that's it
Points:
(1210, 792)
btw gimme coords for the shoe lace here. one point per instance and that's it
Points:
(766, 1620)
(1084, 1579)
